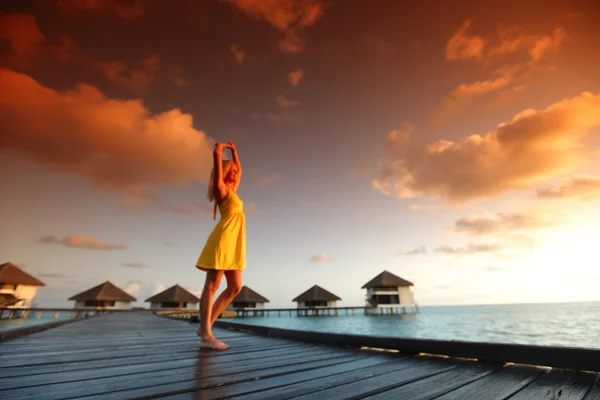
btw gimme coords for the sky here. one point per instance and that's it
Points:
(458, 148)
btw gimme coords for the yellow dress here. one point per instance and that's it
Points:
(225, 248)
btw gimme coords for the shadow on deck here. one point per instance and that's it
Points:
(139, 355)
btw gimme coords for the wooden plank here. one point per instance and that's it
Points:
(561, 357)
(439, 384)
(144, 366)
(594, 392)
(116, 347)
(297, 384)
(148, 379)
(289, 385)
(376, 384)
(12, 362)
(53, 367)
(20, 332)
(557, 384)
(499, 385)
(144, 390)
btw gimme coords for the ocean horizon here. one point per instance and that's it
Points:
(575, 324)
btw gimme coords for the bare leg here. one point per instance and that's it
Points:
(213, 280)
(234, 286)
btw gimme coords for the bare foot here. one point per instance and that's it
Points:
(213, 343)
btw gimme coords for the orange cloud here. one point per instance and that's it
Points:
(513, 40)
(176, 76)
(284, 102)
(114, 144)
(471, 248)
(462, 46)
(82, 242)
(126, 9)
(320, 258)
(583, 187)
(465, 94)
(238, 55)
(295, 76)
(23, 36)
(532, 147)
(135, 79)
(263, 179)
(478, 226)
(290, 17)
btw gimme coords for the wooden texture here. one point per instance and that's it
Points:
(140, 355)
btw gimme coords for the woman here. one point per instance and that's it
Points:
(225, 249)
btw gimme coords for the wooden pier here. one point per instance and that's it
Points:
(142, 355)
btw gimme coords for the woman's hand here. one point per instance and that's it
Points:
(230, 145)
(219, 146)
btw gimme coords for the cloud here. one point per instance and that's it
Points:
(534, 146)
(478, 226)
(135, 264)
(508, 41)
(507, 81)
(295, 76)
(513, 40)
(320, 258)
(462, 46)
(116, 145)
(583, 187)
(284, 102)
(23, 36)
(284, 117)
(465, 94)
(470, 249)
(82, 242)
(128, 9)
(290, 17)
(238, 55)
(134, 288)
(413, 252)
(175, 75)
(136, 79)
(262, 178)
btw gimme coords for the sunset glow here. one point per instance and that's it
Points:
(456, 148)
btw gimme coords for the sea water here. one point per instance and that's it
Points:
(572, 324)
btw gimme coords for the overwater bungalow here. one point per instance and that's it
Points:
(316, 297)
(388, 294)
(174, 297)
(248, 303)
(248, 299)
(17, 288)
(105, 296)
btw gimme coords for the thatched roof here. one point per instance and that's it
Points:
(174, 294)
(248, 295)
(316, 293)
(13, 275)
(386, 279)
(104, 292)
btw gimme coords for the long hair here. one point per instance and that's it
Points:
(226, 166)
